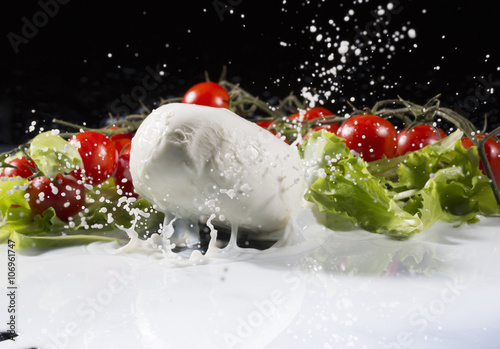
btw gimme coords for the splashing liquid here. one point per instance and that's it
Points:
(164, 245)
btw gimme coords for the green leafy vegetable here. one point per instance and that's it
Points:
(14, 209)
(53, 154)
(105, 209)
(452, 178)
(341, 184)
(396, 197)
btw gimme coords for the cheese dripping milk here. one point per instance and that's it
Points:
(194, 161)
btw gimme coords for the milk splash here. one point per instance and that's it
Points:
(351, 49)
(166, 243)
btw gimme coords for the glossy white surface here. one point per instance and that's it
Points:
(354, 289)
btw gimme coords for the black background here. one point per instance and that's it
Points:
(64, 69)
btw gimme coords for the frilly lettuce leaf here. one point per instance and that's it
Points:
(26, 241)
(53, 154)
(12, 190)
(14, 209)
(450, 177)
(406, 194)
(340, 183)
(104, 210)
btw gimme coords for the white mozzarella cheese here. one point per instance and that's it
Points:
(195, 161)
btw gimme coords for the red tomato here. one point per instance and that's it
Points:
(370, 136)
(311, 114)
(333, 128)
(117, 136)
(417, 138)
(121, 143)
(24, 168)
(210, 94)
(99, 156)
(316, 113)
(264, 124)
(67, 197)
(123, 178)
(492, 149)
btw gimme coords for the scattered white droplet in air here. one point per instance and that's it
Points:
(344, 47)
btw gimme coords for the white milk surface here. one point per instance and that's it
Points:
(331, 290)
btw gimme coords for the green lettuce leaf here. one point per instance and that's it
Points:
(448, 177)
(396, 197)
(12, 190)
(15, 212)
(341, 184)
(105, 210)
(53, 154)
(25, 241)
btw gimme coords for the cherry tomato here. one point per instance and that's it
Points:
(316, 113)
(210, 94)
(417, 138)
(121, 143)
(66, 195)
(333, 128)
(117, 136)
(99, 156)
(311, 114)
(24, 168)
(492, 149)
(370, 136)
(264, 124)
(123, 178)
